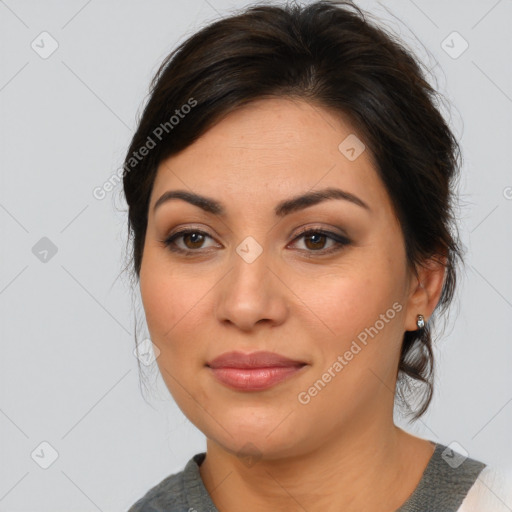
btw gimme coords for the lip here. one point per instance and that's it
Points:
(253, 372)
(260, 359)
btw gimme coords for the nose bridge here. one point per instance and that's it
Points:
(251, 292)
(250, 263)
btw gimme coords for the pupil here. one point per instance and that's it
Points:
(316, 236)
(195, 238)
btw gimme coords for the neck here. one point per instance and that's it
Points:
(336, 475)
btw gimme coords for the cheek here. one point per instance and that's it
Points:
(357, 356)
(172, 303)
(346, 303)
(173, 310)
(359, 314)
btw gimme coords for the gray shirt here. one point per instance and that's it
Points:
(445, 482)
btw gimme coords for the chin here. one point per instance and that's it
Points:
(266, 443)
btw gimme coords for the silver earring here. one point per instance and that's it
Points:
(420, 322)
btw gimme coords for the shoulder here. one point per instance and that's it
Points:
(445, 482)
(491, 492)
(169, 495)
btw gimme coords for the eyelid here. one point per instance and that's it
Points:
(301, 231)
(340, 240)
(168, 240)
(321, 229)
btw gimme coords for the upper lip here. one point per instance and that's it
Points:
(252, 360)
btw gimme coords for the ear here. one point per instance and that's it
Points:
(425, 290)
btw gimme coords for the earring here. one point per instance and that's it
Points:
(420, 322)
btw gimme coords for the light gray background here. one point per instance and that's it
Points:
(68, 374)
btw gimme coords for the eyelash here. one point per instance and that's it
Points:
(339, 240)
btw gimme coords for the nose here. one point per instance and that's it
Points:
(252, 293)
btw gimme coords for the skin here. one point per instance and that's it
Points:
(326, 454)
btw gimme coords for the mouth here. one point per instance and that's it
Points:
(254, 360)
(255, 379)
(255, 371)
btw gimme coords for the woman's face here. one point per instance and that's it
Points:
(254, 283)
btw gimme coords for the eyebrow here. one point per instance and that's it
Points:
(282, 209)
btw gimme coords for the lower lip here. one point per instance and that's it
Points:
(254, 379)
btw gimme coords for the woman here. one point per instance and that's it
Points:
(290, 194)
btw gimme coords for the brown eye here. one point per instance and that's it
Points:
(315, 241)
(191, 241)
(196, 239)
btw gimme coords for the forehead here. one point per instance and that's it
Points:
(279, 147)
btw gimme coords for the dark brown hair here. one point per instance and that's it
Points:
(329, 54)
